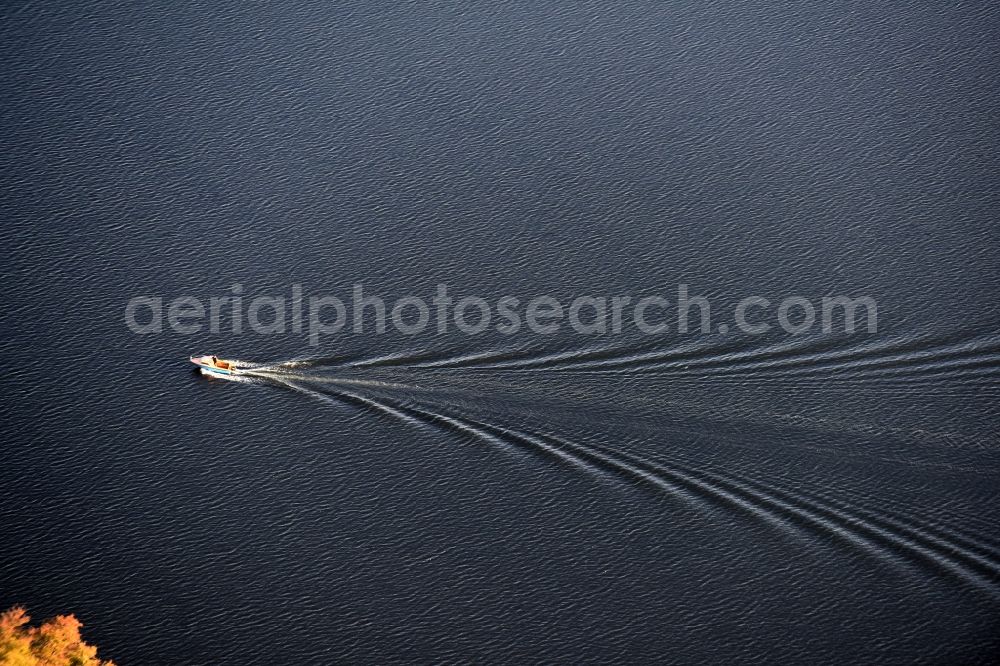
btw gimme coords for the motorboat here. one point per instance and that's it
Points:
(215, 365)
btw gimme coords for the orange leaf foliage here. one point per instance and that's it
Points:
(56, 642)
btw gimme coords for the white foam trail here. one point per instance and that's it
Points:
(286, 376)
(375, 360)
(460, 360)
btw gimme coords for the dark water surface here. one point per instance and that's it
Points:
(678, 498)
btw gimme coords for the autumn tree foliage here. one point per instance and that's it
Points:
(56, 642)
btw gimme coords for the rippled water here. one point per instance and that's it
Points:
(818, 498)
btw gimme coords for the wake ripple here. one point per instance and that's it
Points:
(891, 538)
(969, 358)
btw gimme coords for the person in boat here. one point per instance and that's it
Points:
(225, 365)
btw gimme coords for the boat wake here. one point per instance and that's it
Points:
(972, 360)
(923, 541)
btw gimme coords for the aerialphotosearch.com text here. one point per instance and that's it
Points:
(320, 315)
